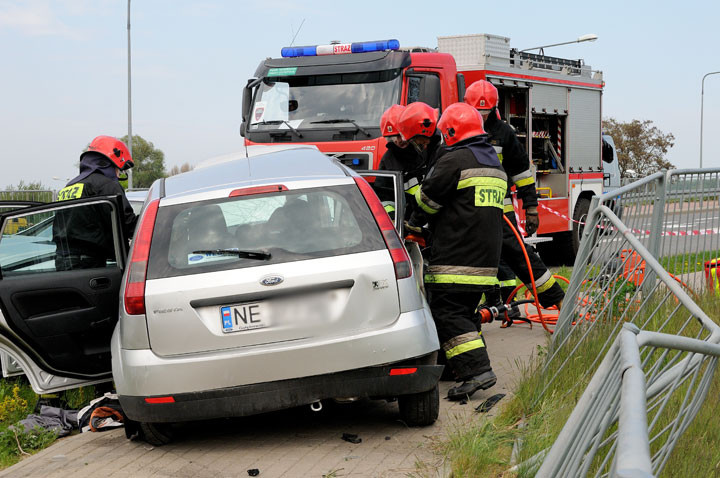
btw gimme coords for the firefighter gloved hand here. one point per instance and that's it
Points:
(532, 220)
(410, 228)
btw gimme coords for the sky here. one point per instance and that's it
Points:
(63, 76)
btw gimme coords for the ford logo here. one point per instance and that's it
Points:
(271, 280)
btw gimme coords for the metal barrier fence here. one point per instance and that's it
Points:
(631, 299)
(28, 195)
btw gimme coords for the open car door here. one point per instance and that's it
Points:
(10, 367)
(388, 185)
(57, 316)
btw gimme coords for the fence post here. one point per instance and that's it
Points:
(656, 228)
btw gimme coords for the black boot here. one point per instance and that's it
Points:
(479, 382)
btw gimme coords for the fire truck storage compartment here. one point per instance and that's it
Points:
(583, 135)
(545, 144)
(512, 103)
(476, 50)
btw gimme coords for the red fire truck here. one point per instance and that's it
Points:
(333, 95)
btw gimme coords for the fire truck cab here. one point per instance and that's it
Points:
(332, 96)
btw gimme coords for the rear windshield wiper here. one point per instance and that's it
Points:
(333, 121)
(298, 133)
(259, 255)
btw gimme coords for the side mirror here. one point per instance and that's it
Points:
(243, 127)
(247, 98)
(607, 152)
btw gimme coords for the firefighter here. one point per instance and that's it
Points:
(483, 96)
(84, 235)
(463, 197)
(427, 146)
(412, 157)
(399, 157)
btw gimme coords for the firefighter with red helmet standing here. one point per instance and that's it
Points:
(463, 198)
(84, 236)
(413, 156)
(483, 96)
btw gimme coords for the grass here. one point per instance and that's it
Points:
(687, 263)
(17, 401)
(483, 448)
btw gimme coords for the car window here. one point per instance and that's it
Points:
(289, 226)
(79, 237)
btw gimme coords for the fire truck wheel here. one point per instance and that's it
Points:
(579, 217)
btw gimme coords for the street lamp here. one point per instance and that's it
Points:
(130, 141)
(586, 37)
(702, 99)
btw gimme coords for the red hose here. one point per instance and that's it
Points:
(532, 278)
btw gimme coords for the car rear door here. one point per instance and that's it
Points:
(56, 318)
(389, 187)
(10, 367)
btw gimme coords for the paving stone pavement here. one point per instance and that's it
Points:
(291, 443)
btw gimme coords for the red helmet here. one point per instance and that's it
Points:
(460, 121)
(418, 119)
(482, 95)
(113, 149)
(389, 120)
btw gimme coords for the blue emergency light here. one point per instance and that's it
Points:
(339, 48)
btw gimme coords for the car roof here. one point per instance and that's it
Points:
(252, 151)
(238, 171)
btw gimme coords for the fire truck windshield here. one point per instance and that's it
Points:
(346, 100)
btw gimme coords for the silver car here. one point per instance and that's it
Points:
(254, 284)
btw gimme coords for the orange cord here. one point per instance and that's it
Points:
(532, 278)
(550, 318)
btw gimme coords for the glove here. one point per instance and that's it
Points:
(532, 220)
(411, 228)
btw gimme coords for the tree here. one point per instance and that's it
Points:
(178, 170)
(30, 191)
(149, 162)
(641, 146)
(29, 186)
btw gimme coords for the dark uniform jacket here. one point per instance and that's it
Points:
(514, 160)
(87, 230)
(463, 195)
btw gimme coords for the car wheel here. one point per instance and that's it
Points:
(156, 434)
(420, 409)
(579, 216)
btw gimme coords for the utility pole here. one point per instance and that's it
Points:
(130, 138)
(702, 99)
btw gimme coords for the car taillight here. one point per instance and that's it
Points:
(403, 371)
(275, 188)
(135, 286)
(403, 268)
(160, 400)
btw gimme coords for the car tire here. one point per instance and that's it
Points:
(582, 207)
(420, 409)
(156, 434)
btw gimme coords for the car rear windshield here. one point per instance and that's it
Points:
(200, 237)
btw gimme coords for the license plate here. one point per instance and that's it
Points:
(236, 318)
